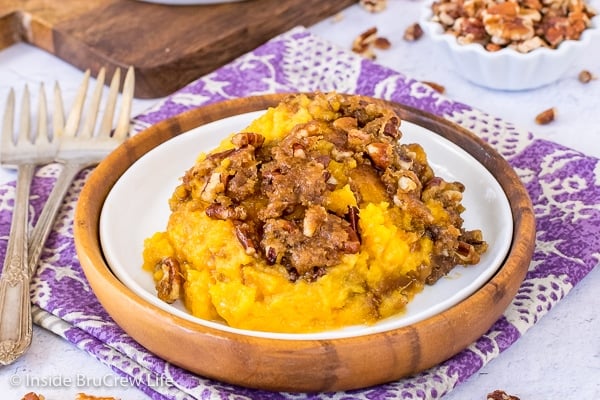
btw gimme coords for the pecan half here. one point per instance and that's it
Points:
(546, 116)
(170, 284)
(413, 32)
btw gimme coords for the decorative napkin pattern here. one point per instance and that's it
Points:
(563, 184)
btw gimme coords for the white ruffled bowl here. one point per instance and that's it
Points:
(508, 69)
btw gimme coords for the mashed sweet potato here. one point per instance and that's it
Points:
(314, 217)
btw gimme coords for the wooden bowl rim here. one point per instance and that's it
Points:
(500, 289)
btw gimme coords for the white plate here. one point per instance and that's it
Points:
(137, 207)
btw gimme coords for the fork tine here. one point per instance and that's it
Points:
(75, 114)
(42, 127)
(111, 102)
(92, 111)
(58, 120)
(8, 121)
(24, 133)
(122, 128)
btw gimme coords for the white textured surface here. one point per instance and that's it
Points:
(559, 358)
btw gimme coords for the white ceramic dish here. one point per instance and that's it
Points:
(137, 206)
(508, 69)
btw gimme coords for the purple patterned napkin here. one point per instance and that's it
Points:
(564, 186)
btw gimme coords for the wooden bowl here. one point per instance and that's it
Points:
(300, 365)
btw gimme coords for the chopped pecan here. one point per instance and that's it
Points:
(409, 182)
(381, 154)
(466, 254)
(472, 30)
(522, 25)
(413, 32)
(170, 284)
(219, 211)
(585, 76)
(247, 138)
(352, 244)
(500, 395)
(83, 396)
(33, 396)
(352, 218)
(505, 23)
(298, 150)
(382, 43)
(373, 6)
(546, 116)
(345, 123)
(435, 86)
(390, 128)
(247, 236)
(214, 185)
(313, 217)
(363, 41)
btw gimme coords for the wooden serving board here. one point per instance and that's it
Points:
(169, 46)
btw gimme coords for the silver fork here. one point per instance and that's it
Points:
(25, 153)
(80, 147)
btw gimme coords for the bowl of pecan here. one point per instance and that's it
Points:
(512, 45)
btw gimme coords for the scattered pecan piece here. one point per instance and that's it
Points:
(83, 396)
(33, 396)
(413, 32)
(546, 116)
(435, 86)
(585, 76)
(373, 6)
(382, 43)
(364, 43)
(79, 396)
(364, 40)
(500, 395)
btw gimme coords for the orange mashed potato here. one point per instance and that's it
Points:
(222, 252)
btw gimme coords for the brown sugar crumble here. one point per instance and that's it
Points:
(290, 224)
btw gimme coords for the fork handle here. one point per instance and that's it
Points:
(15, 304)
(45, 221)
